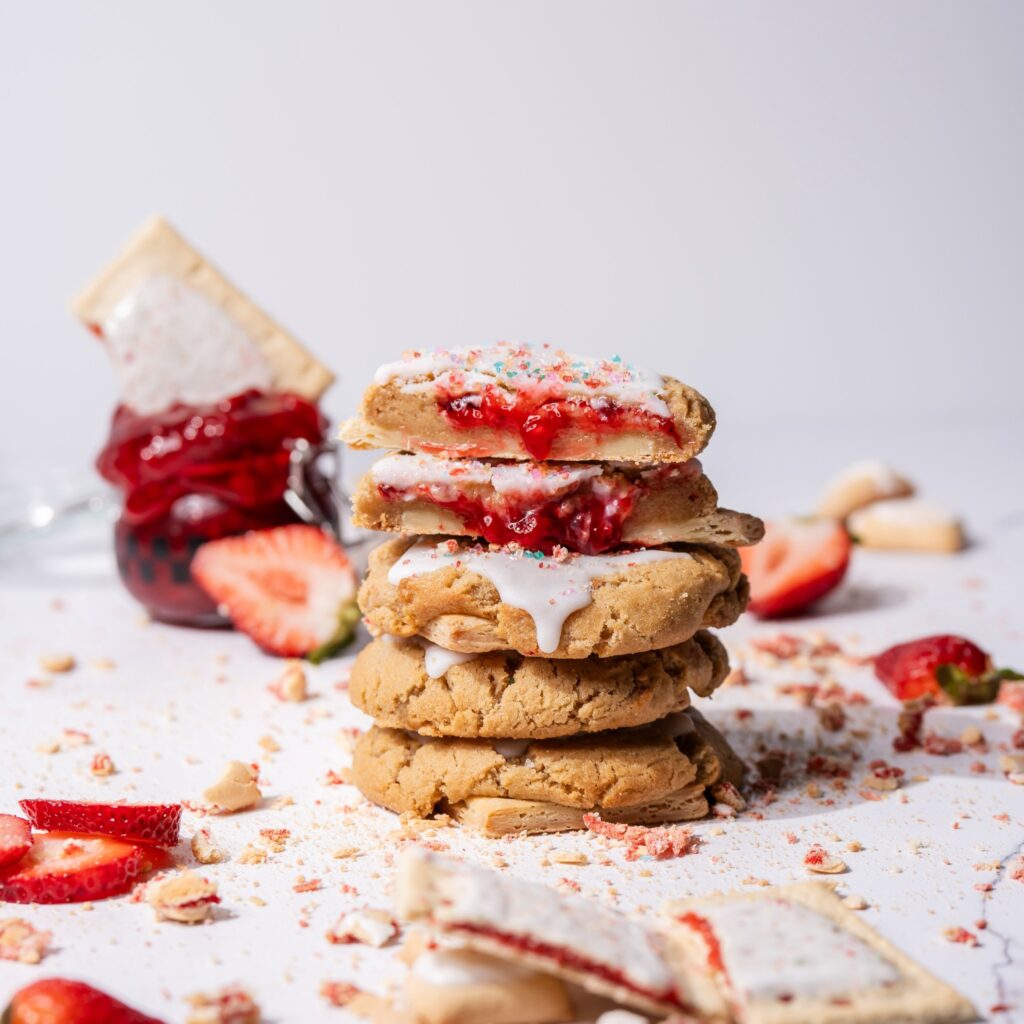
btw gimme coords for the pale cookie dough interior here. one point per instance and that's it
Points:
(504, 695)
(470, 600)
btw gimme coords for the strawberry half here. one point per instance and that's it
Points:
(945, 666)
(62, 867)
(138, 823)
(60, 1001)
(15, 838)
(292, 589)
(798, 562)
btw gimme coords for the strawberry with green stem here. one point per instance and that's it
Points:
(945, 666)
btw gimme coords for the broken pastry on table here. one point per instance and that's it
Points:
(541, 617)
(498, 950)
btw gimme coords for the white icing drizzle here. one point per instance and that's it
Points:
(519, 909)
(782, 948)
(437, 660)
(547, 589)
(510, 749)
(445, 478)
(459, 967)
(169, 343)
(542, 369)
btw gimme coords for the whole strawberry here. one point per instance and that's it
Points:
(947, 667)
(60, 1001)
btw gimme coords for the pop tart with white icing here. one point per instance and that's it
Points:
(796, 955)
(177, 330)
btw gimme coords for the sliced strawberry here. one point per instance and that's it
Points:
(798, 562)
(292, 589)
(63, 867)
(15, 838)
(949, 667)
(60, 1001)
(139, 823)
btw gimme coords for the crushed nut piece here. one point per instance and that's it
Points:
(102, 765)
(204, 849)
(235, 791)
(370, 927)
(57, 662)
(231, 1005)
(187, 898)
(570, 857)
(821, 862)
(291, 685)
(22, 943)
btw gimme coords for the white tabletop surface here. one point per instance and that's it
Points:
(177, 704)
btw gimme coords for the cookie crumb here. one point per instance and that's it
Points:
(186, 898)
(291, 685)
(22, 943)
(231, 1005)
(235, 790)
(57, 662)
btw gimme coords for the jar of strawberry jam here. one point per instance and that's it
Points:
(195, 473)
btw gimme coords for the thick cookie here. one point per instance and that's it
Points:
(469, 599)
(606, 772)
(513, 401)
(411, 684)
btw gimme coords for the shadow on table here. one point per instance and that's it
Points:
(796, 768)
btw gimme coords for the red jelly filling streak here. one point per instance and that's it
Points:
(538, 419)
(581, 521)
(574, 962)
(196, 473)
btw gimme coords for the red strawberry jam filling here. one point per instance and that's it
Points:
(584, 521)
(538, 418)
(192, 474)
(573, 961)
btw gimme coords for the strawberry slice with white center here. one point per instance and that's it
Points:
(798, 562)
(137, 823)
(15, 838)
(63, 867)
(292, 589)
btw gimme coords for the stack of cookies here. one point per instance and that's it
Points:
(540, 618)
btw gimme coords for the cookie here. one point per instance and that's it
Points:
(461, 986)
(859, 485)
(794, 953)
(539, 928)
(209, 332)
(512, 401)
(470, 599)
(412, 684)
(585, 507)
(612, 771)
(907, 524)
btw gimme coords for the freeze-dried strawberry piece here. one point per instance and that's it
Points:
(139, 823)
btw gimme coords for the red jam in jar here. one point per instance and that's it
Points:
(196, 473)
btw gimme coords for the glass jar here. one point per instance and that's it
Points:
(192, 474)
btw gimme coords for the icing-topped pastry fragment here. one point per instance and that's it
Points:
(533, 925)
(518, 401)
(177, 331)
(585, 507)
(795, 953)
